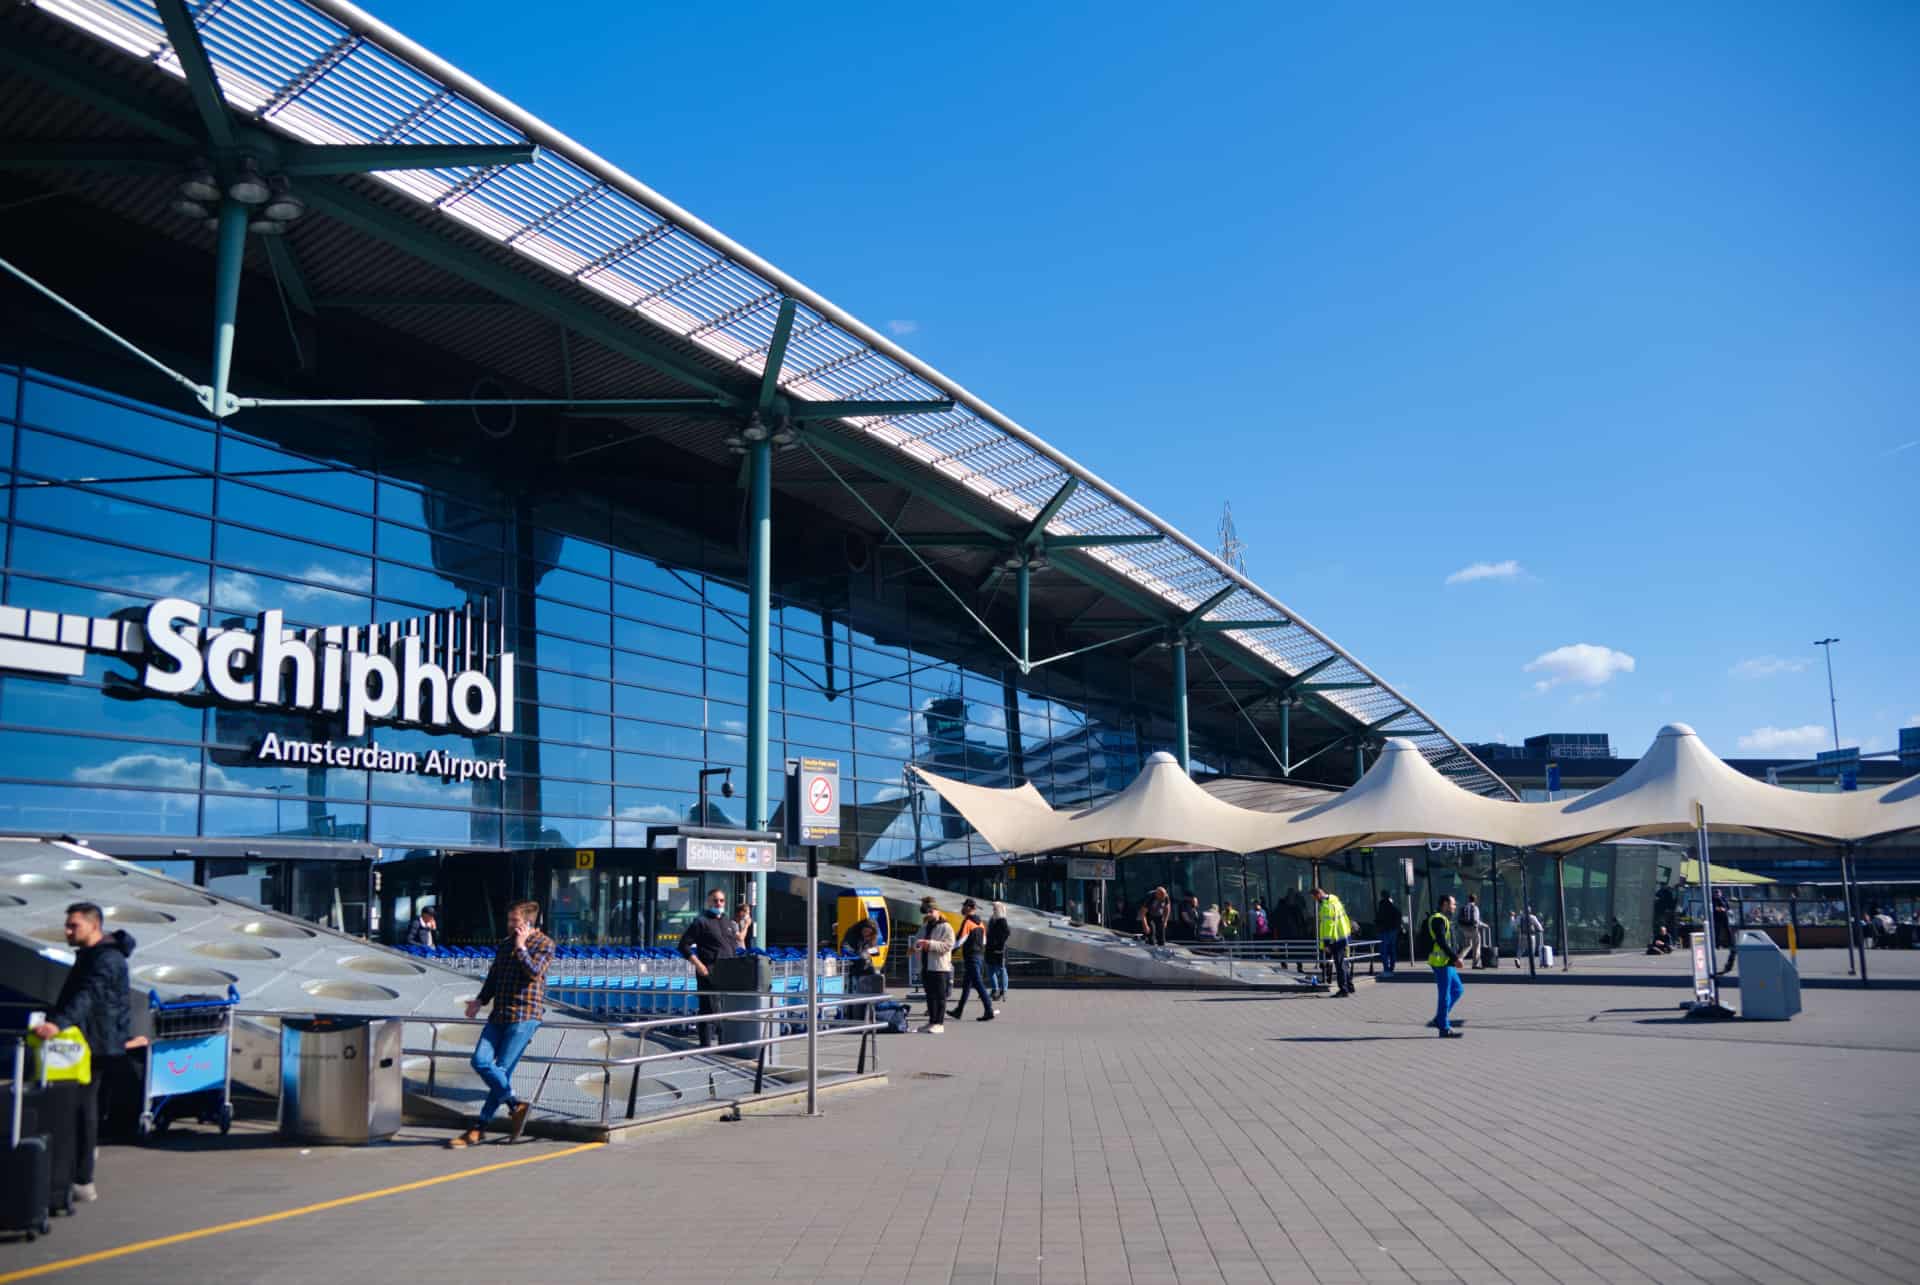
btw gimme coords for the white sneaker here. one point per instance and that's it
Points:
(937, 1030)
(923, 1030)
(85, 1193)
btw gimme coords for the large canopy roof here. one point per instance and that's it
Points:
(1403, 797)
(481, 261)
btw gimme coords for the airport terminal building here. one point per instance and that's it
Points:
(397, 488)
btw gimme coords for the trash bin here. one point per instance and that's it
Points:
(340, 1078)
(744, 973)
(1769, 979)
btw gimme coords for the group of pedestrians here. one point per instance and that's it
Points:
(982, 947)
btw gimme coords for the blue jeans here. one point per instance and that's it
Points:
(997, 978)
(1447, 980)
(1389, 943)
(973, 980)
(494, 1056)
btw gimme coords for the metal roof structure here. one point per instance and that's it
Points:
(663, 305)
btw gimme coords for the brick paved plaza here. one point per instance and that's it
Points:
(1580, 1133)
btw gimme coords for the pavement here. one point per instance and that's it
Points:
(1581, 1132)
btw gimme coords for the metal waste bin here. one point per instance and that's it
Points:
(744, 973)
(340, 1078)
(1769, 979)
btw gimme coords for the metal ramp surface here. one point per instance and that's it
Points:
(1051, 936)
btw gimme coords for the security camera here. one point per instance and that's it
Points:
(726, 789)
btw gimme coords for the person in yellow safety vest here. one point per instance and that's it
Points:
(1335, 929)
(1445, 961)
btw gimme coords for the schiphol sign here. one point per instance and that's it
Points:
(445, 671)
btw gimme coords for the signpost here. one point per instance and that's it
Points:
(813, 823)
(1706, 987)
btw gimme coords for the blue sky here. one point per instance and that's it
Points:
(1618, 303)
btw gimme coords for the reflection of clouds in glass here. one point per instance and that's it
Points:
(242, 591)
(146, 769)
(654, 813)
(734, 725)
(180, 584)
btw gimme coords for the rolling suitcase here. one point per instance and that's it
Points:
(24, 1169)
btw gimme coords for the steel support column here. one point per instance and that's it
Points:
(1024, 581)
(759, 651)
(231, 249)
(1359, 762)
(1286, 736)
(1180, 739)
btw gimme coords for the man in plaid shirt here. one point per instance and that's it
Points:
(517, 987)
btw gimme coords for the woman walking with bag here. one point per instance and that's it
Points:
(934, 942)
(998, 930)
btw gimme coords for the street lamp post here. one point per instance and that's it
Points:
(1833, 706)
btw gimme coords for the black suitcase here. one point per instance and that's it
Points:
(24, 1168)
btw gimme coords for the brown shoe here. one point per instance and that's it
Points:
(517, 1117)
(471, 1138)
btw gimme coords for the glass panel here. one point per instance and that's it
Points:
(234, 817)
(259, 552)
(573, 760)
(54, 704)
(85, 761)
(658, 738)
(656, 609)
(420, 588)
(571, 655)
(553, 724)
(304, 604)
(574, 553)
(442, 515)
(455, 560)
(574, 622)
(651, 672)
(317, 479)
(574, 798)
(670, 643)
(60, 458)
(149, 434)
(83, 511)
(56, 809)
(109, 566)
(667, 807)
(419, 826)
(567, 689)
(648, 574)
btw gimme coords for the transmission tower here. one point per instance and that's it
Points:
(1232, 551)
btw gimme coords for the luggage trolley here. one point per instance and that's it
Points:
(190, 1057)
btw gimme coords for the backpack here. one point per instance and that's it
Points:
(1423, 939)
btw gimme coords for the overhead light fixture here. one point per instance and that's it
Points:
(199, 183)
(248, 187)
(266, 227)
(736, 444)
(284, 206)
(755, 431)
(783, 435)
(190, 208)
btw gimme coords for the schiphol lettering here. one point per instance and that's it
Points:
(273, 667)
(372, 758)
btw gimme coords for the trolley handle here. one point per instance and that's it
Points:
(157, 1005)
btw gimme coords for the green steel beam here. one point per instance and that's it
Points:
(115, 158)
(759, 647)
(230, 250)
(1380, 723)
(1022, 603)
(1220, 626)
(1049, 511)
(863, 409)
(398, 230)
(1193, 617)
(314, 160)
(202, 84)
(287, 268)
(776, 357)
(1306, 673)
(1180, 729)
(97, 88)
(900, 475)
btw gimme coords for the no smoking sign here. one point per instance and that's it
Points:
(813, 794)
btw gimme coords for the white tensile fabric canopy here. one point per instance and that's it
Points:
(1403, 797)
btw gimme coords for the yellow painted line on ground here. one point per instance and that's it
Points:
(221, 1229)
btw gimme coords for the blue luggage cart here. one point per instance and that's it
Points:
(189, 1061)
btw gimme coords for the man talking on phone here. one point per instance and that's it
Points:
(517, 987)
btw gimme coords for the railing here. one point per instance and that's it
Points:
(1303, 955)
(767, 1015)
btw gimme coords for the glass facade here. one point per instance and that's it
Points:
(631, 654)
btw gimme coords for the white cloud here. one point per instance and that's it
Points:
(1587, 664)
(1768, 666)
(902, 327)
(1904, 446)
(1775, 740)
(1508, 570)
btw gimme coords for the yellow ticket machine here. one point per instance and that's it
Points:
(864, 904)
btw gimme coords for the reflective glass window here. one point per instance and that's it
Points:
(237, 771)
(649, 671)
(318, 479)
(83, 760)
(304, 604)
(571, 760)
(557, 585)
(634, 569)
(655, 641)
(261, 818)
(297, 519)
(575, 798)
(421, 742)
(427, 828)
(656, 770)
(433, 791)
(567, 689)
(891, 743)
(590, 660)
(61, 459)
(557, 832)
(40, 702)
(101, 421)
(442, 515)
(573, 553)
(563, 725)
(573, 622)
(60, 809)
(72, 509)
(257, 551)
(724, 597)
(112, 567)
(455, 560)
(9, 395)
(635, 702)
(727, 687)
(656, 609)
(658, 738)
(730, 656)
(662, 807)
(419, 588)
(815, 731)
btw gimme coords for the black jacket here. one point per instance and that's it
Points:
(1387, 917)
(998, 930)
(710, 937)
(418, 934)
(94, 996)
